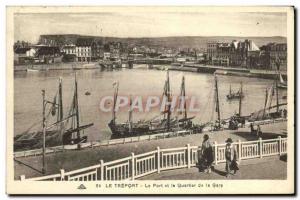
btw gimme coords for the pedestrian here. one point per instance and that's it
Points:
(284, 113)
(206, 154)
(258, 131)
(231, 158)
(251, 128)
(243, 122)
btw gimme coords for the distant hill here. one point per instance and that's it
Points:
(172, 42)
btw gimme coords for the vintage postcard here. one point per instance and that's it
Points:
(150, 100)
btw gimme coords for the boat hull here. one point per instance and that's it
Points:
(34, 140)
(234, 96)
(123, 131)
(282, 86)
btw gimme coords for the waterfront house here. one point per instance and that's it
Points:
(49, 54)
(278, 52)
(106, 56)
(273, 53)
(69, 53)
(97, 48)
(235, 53)
(84, 49)
(23, 55)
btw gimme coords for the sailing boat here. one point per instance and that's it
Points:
(159, 124)
(281, 84)
(237, 118)
(235, 95)
(217, 125)
(73, 134)
(268, 111)
(55, 133)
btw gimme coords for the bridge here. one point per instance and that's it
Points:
(202, 68)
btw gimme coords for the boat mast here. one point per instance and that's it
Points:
(77, 111)
(60, 108)
(168, 101)
(217, 102)
(114, 104)
(130, 115)
(44, 132)
(240, 100)
(266, 99)
(183, 96)
(277, 98)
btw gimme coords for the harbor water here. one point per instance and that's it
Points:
(136, 82)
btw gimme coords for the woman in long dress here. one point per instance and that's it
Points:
(207, 154)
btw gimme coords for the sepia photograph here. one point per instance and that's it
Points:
(150, 100)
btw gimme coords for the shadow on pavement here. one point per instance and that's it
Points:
(283, 158)
(221, 173)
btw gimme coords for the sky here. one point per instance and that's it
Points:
(29, 26)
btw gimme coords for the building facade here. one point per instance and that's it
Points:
(69, 53)
(274, 56)
(233, 54)
(278, 54)
(48, 54)
(97, 50)
(84, 49)
(23, 55)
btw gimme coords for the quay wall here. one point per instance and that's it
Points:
(197, 68)
(256, 73)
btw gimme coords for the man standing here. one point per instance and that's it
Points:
(231, 158)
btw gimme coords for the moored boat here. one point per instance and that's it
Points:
(165, 122)
(235, 95)
(64, 131)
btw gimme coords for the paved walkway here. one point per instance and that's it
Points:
(265, 168)
(74, 159)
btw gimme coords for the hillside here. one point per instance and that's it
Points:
(172, 42)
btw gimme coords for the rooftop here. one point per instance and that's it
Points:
(22, 50)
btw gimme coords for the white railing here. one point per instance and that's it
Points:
(136, 166)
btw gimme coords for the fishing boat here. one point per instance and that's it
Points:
(237, 118)
(62, 131)
(270, 111)
(164, 122)
(235, 95)
(215, 123)
(281, 84)
(31, 69)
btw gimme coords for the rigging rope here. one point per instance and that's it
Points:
(206, 105)
(40, 121)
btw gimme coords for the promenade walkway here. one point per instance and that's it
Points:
(71, 160)
(266, 168)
